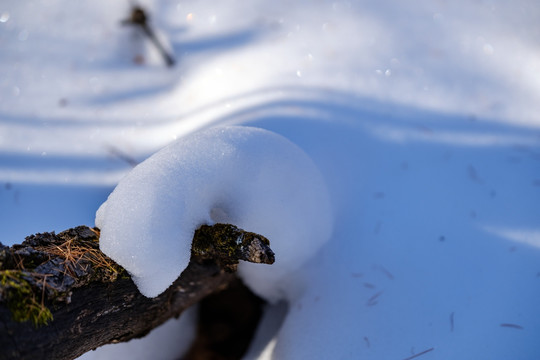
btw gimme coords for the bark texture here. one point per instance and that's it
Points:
(61, 297)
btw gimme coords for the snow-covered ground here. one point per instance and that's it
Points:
(422, 116)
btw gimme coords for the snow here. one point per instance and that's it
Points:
(421, 116)
(250, 177)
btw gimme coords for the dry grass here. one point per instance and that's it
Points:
(78, 254)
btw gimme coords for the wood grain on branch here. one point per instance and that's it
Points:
(61, 297)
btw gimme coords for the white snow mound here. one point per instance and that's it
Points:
(246, 176)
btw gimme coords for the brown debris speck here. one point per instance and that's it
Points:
(374, 299)
(512, 326)
(368, 344)
(419, 354)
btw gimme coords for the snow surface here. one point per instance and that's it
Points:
(249, 177)
(422, 117)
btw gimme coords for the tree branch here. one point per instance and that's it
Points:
(61, 297)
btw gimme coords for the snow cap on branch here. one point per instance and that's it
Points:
(249, 177)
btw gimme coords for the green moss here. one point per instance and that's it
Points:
(21, 299)
(216, 240)
(226, 244)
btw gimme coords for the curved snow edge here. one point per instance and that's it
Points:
(250, 177)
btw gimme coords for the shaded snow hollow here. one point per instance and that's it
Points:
(246, 176)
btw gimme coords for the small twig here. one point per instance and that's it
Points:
(419, 354)
(373, 300)
(123, 156)
(139, 18)
(386, 272)
(513, 326)
(43, 308)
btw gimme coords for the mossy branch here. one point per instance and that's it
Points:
(64, 280)
(227, 244)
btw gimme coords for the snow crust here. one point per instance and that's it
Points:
(246, 176)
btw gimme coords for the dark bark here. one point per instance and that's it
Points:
(227, 321)
(93, 301)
